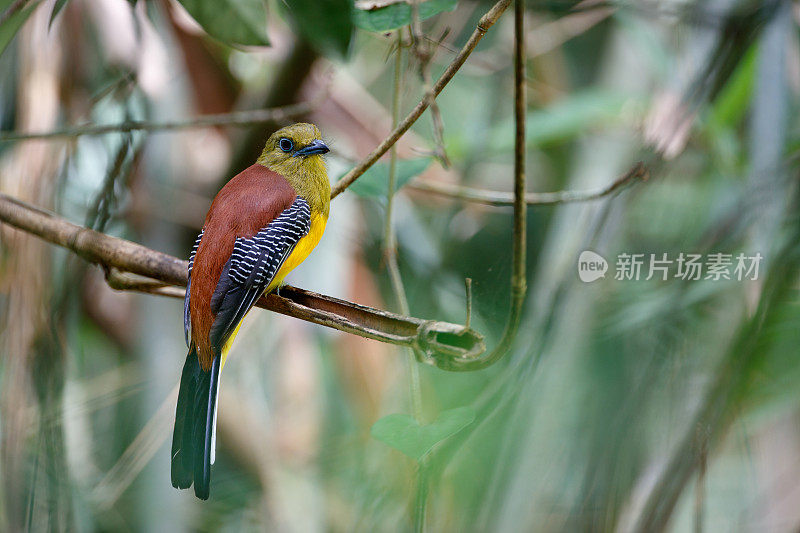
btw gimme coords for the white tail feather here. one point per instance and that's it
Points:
(214, 421)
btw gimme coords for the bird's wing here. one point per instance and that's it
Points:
(252, 267)
(187, 323)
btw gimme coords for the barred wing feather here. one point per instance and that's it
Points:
(252, 267)
(187, 323)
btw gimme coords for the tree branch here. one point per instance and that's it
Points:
(639, 171)
(434, 338)
(486, 22)
(237, 118)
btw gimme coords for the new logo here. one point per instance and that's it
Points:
(591, 266)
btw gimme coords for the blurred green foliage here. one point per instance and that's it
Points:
(404, 433)
(398, 14)
(328, 24)
(375, 181)
(234, 22)
(13, 21)
(615, 391)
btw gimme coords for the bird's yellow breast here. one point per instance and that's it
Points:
(301, 250)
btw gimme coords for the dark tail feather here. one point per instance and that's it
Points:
(192, 439)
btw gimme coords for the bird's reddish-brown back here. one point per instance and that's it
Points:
(245, 204)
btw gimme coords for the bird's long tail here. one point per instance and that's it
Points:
(193, 439)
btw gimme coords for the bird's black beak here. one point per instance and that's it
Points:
(315, 147)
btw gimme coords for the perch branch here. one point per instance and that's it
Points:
(483, 26)
(236, 118)
(638, 171)
(167, 273)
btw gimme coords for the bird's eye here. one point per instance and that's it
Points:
(285, 144)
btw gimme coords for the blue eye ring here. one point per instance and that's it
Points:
(285, 144)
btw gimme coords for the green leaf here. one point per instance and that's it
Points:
(573, 116)
(564, 120)
(57, 7)
(234, 22)
(375, 181)
(732, 102)
(398, 15)
(11, 26)
(326, 24)
(403, 433)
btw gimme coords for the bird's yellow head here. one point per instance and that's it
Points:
(295, 152)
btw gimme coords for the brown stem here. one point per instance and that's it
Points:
(422, 50)
(518, 269)
(638, 171)
(433, 338)
(237, 118)
(485, 23)
(390, 241)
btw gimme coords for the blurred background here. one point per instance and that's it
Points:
(623, 405)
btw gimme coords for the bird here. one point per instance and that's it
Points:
(262, 224)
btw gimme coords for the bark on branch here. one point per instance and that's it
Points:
(638, 172)
(439, 341)
(235, 118)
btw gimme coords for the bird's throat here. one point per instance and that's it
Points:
(309, 177)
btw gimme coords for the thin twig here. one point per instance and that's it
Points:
(390, 254)
(106, 199)
(390, 257)
(637, 172)
(468, 292)
(422, 50)
(389, 240)
(237, 118)
(485, 23)
(430, 336)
